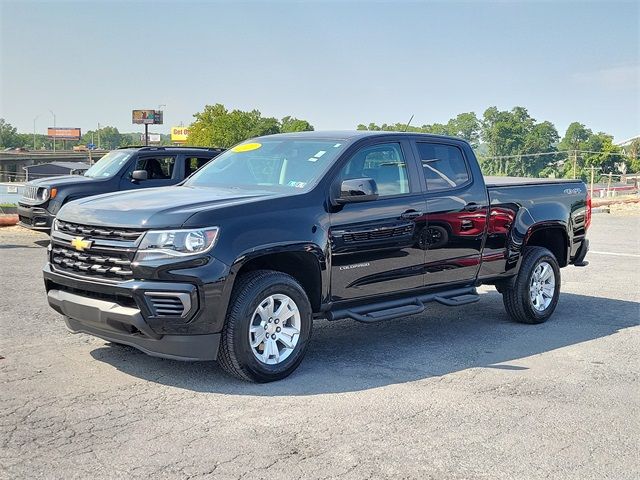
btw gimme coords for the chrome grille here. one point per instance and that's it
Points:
(99, 232)
(111, 264)
(30, 192)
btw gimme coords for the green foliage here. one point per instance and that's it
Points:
(9, 136)
(216, 126)
(107, 137)
(465, 125)
(509, 135)
(575, 138)
(632, 152)
(291, 124)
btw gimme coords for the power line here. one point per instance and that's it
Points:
(520, 155)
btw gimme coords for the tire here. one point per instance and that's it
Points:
(517, 298)
(247, 313)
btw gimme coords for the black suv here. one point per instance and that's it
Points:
(235, 263)
(123, 169)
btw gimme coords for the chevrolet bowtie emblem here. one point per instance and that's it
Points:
(81, 244)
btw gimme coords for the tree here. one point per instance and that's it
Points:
(633, 156)
(575, 137)
(542, 137)
(9, 136)
(291, 124)
(107, 137)
(504, 132)
(215, 126)
(465, 125)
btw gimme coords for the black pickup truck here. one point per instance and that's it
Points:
(235, 263)
(123, 169)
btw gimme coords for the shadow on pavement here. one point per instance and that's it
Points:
(348, 356)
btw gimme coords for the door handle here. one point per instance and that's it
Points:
(411, 215)
(471, 207)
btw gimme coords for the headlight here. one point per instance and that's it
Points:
(42, 194)
(158, 244)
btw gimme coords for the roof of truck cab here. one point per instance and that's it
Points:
(353, 135)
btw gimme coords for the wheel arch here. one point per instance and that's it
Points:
(304, 262)
(552, 236)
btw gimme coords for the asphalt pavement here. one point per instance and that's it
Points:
(454, 393)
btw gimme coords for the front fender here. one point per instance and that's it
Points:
(264, 251)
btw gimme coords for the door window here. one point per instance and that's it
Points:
(443, 166)
(384, 163)
(158, 168)
(194, 163)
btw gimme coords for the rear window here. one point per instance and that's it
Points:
(443, 166)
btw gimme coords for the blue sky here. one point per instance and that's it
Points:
(335, 64)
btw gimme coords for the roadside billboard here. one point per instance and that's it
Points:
(153, 137)
(149, 117)
(179, 134)
(64, 133)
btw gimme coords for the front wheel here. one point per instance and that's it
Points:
(533, 296)
(267, 329)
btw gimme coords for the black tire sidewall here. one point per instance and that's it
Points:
(269, 286)
(525, 298)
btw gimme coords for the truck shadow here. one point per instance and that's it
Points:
(348, 356)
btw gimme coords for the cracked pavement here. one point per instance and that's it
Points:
(454, 393)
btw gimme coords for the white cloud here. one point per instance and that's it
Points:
(616, 77)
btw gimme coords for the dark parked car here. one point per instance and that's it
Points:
(129, 168)
(236, 262)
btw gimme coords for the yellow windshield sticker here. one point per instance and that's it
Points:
(246, 147)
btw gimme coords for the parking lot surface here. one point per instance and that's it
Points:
(454, 393)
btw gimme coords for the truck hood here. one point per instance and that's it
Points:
(60, 181)
(163, 207)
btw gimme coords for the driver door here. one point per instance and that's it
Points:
(374, 247)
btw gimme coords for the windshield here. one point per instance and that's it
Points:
(271, 164)
(108, 165)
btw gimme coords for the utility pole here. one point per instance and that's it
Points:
(34, 131)
(575, 160)
(609, 185)
(98, 135)
(54, 130)
(593, 169)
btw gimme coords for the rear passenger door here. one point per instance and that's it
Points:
(456, 218)
(373, 244)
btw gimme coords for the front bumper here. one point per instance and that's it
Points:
(120, 313)
(125, 325)
(35, 218)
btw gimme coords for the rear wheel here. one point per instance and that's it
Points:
(267, 328)
(533, 296)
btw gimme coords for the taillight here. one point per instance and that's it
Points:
(587, 220)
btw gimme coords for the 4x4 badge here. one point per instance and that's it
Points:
(81, 244)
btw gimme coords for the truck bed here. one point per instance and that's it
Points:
(522, 181)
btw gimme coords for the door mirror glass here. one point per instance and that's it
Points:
(357, 190)
(139, 175)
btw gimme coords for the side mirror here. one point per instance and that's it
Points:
(139, 175)
(357, 190)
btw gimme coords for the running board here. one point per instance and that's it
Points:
(460, 300)
(391, 309)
